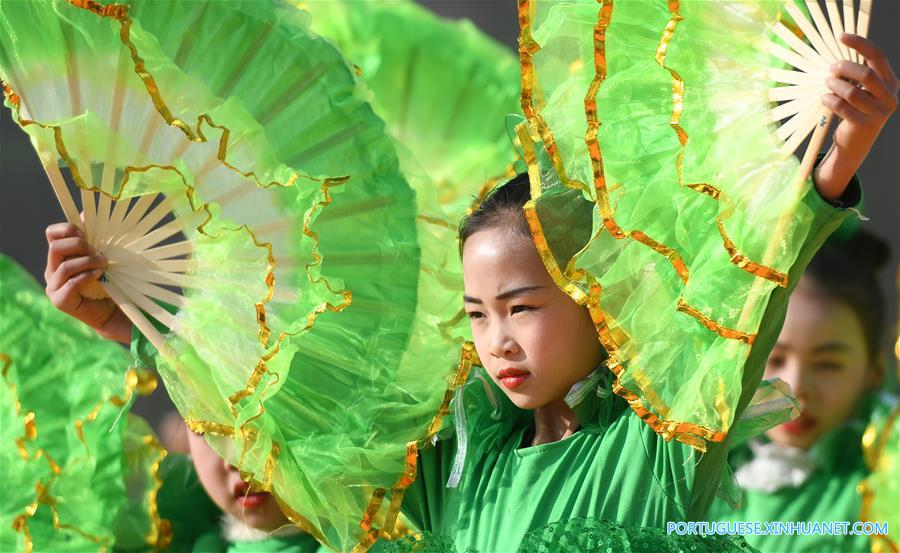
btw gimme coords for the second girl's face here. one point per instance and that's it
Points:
(224, 486)
(534, 341)
(821, 354)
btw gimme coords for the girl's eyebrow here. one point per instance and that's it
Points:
(506, 295)
(831, 347)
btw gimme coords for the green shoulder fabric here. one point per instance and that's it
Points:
(614, 468)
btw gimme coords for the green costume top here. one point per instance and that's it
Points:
(825, 489)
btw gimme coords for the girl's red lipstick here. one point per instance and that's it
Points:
(800, 425)
(247, 499)
(512, 378)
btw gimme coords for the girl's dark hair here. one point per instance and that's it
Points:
(848, 272)
(501, 209)
(565, 215)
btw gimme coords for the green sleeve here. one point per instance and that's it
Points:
(423, 503)
(827, 217)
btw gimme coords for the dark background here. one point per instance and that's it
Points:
(27, 204)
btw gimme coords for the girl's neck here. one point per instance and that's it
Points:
(553, 422)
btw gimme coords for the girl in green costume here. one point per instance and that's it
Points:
(829, 352)
(553, 459)
(102, 476)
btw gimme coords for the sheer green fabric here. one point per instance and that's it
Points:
(62, 476)
(302, 320)
(656, 116)
(443, 88)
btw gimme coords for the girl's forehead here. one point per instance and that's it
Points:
(814, 319)
(497, 256)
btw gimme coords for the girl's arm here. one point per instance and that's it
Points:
(863, 111)
(72, 265)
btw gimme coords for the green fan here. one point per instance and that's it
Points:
(668, 126)
(260, 234)
(443, 88)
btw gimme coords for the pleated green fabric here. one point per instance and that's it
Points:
(443, 87)
(659, 119)
(67, 459)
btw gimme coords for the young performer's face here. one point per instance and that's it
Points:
(821, 353)
(224, 486)
(534, 341)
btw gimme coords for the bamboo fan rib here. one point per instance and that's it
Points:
(131, 235)
(801, 111)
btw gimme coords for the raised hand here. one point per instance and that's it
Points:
(73, 268)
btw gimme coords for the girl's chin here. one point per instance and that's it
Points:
(525, 401)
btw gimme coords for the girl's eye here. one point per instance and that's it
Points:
(828, 366)
(775, 362)
(521, 308)
(475, 314)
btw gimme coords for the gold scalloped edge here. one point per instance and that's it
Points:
(746, 263)
(43, 497)
(531, 93)
(137, 380)
(736, 257)
(29, 422)
(160, 535)
(678, 91)
(50, 501)
(467, 358)
(687, 433)
(721, 330)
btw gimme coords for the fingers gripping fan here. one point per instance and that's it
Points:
(676, 121)
(259, 233)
